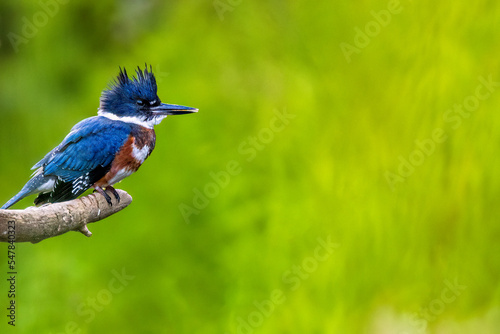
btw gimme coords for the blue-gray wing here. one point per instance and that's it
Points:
(92, 143)
(83, 157)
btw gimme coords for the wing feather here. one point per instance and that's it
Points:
(91, 145)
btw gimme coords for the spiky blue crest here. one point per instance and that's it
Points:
(123, 93)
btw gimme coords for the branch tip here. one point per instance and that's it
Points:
(85, 231)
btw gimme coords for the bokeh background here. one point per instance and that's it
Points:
(360, 200)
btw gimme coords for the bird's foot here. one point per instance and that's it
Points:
(114, 192)
(102, 192)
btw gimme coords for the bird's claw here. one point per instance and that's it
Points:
(106, 196)
(114, 192)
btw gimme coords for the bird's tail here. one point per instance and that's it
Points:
(39, 183)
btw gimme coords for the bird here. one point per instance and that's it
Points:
(102, 150)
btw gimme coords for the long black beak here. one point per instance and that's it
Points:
(172, 109)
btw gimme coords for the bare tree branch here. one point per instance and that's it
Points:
(35, 224)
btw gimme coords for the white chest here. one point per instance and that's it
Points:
(120, 175)
(140, 154)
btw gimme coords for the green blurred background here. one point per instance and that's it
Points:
(349, 217)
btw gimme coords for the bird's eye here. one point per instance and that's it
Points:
(140, 102)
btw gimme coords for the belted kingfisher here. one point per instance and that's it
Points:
(101, 151)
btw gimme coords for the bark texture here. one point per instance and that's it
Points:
(35, 224)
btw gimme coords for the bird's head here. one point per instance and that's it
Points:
(135, 100)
